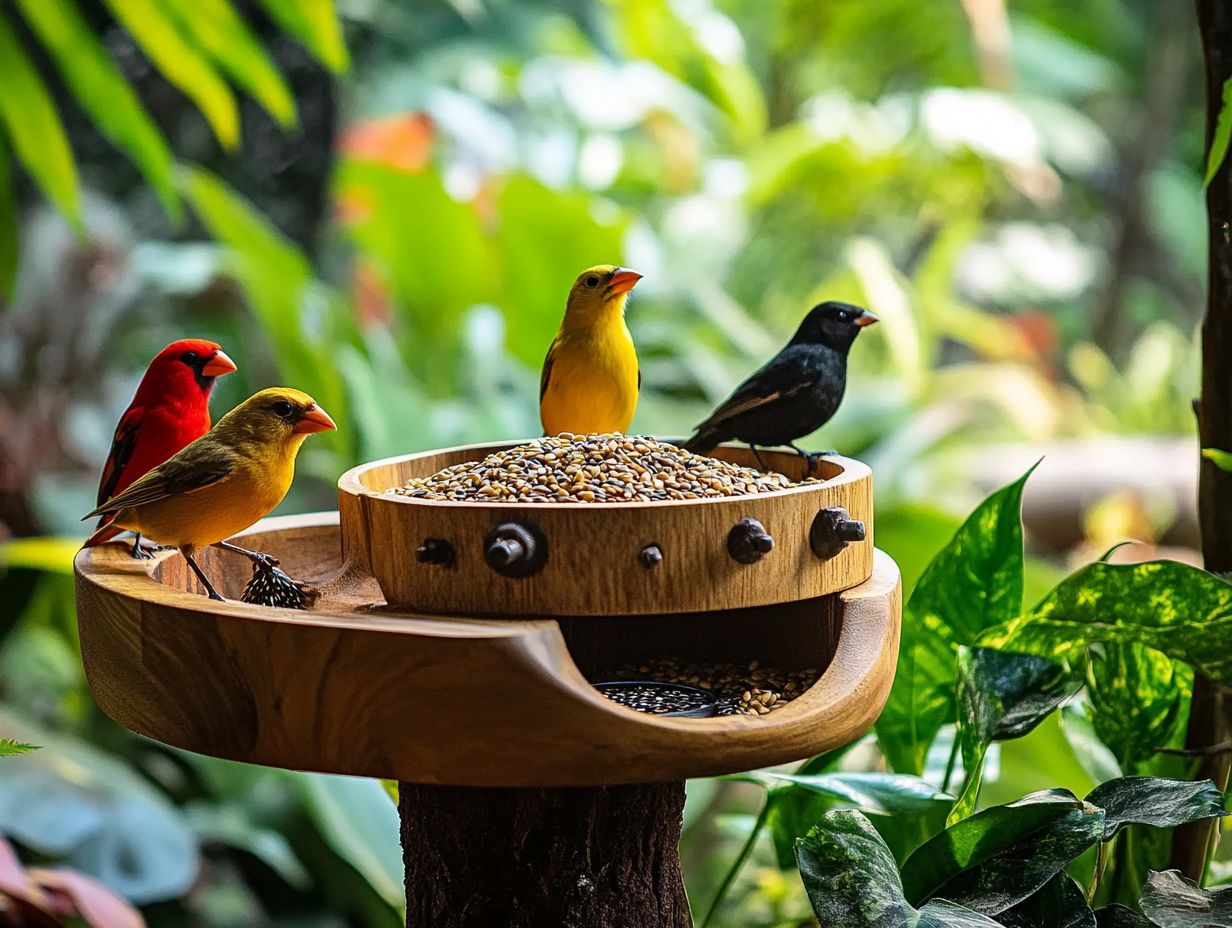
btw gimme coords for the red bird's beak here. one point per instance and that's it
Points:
(866, 318)
(622, 281)
(218, 365)
(315, 419)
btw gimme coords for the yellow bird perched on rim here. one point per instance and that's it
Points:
(220, 484)
(590, 377)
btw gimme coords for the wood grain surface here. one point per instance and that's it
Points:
(355, 687)
(593, 565)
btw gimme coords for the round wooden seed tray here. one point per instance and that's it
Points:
(351, 686)
(592, 559)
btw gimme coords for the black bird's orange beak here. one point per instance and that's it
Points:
(315, 419)
(866, 318)
(218, 365)
(622, 281)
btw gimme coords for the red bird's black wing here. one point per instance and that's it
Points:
(122, 446)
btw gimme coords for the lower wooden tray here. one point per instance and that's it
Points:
(352, 687)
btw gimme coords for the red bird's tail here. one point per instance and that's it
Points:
(103, 534)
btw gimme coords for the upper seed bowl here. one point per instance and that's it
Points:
(528, 559)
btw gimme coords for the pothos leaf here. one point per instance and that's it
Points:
(1155, 801)
(1134, 697)
(1221, 459)
(1222, 135)
(1060, 904)
(1172, 901)
(1182, 611)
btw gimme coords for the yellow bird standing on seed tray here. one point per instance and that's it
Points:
(590, 377)
(220, 484)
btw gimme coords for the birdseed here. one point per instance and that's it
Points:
(659, 698)
(601, 468)
(738, 689)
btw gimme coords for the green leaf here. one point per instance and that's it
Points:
(1118, 916)
(1155, 801)
(11, 748)
(92, 812)
(181, 64)
(314, 23)
(391, 790)
(906, 810)
(1001, 695)
(851, 881)
(216, 27)
(1180, 610)
(1134, 698)
(34, 129)
(1221, 459)
(1006, 879)
(975, 582)
(9, 248)
(1221, 136)
(358, 821)
(48, 554)
(1060, 904)
(977, 839)
(231, 825)
(103, 92)
(1172, 901)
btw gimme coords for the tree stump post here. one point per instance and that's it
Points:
(601, 857)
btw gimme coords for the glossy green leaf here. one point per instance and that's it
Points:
(1018, 871)
(1180, 610)
(974, 583)
(1222, 135)
(314, 23)
(1221, 459)
(1118, 916)
(103, 92)
(1172, 901)
(231, 825)
(851, 881)
(1060, 904)
(1134, 698)
(181, 63)
(877, 793)
(11, 748)
(9, 247)
(391, 790)
(1001, 695)
(95, 814)
(215, 26)
(975, 840)
(358, 821)
(35, 132)
(1155, 801)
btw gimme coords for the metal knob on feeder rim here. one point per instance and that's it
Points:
(515, 549)
(832, 530)
(748, 541)
(436, 551)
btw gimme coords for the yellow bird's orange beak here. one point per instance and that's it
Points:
(218, 365)
(315, 419)
(866, 318)
(622, 281)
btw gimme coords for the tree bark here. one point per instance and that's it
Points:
(605, 857)
(1209, 722)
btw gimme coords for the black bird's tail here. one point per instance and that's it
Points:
(704, 441)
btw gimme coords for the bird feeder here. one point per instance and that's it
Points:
(465, 649)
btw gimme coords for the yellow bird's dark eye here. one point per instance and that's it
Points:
(592, 281)
(282, 409)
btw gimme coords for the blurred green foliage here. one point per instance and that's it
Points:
(1016, 193)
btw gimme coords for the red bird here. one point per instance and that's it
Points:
(170, 409)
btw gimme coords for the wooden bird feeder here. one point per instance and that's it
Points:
(455, 647)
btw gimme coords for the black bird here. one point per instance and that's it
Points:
(796, 393)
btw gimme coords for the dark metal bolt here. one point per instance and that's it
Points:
(651, 556)
(515, 549)
(832, 530)
(748, 541)
(435, 551)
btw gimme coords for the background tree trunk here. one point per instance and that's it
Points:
(543, 858)
(1209, 722)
